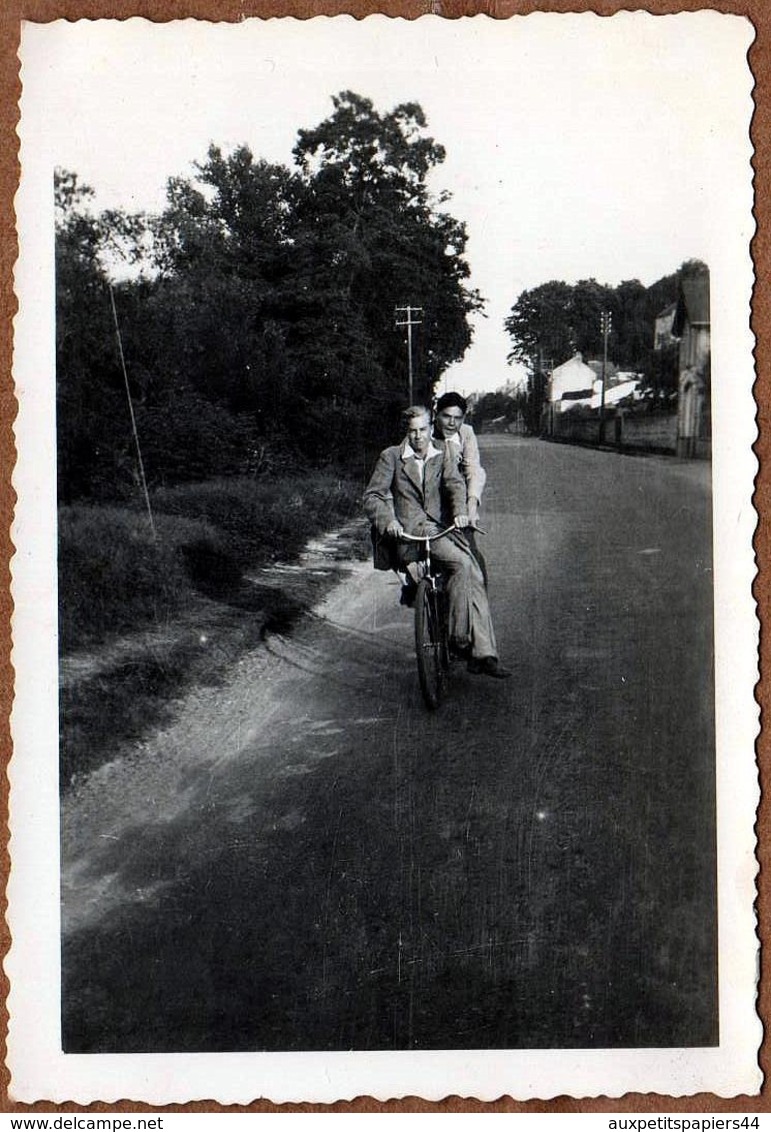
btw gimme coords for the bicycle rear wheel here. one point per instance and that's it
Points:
(430, 645)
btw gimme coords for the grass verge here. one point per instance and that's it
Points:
(115, 577)
(185, 589)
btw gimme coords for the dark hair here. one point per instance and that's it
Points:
(448, 399)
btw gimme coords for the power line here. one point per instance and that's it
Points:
(131, 412)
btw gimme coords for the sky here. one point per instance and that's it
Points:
(577, 146)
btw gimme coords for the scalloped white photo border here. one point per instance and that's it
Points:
(39, 1069)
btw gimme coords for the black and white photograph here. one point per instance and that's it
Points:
(384, 635)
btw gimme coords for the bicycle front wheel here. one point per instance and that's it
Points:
(429, 645)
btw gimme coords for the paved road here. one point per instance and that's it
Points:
(307, 859)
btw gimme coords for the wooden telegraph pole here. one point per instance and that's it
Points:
(409, 319)
(605, 323)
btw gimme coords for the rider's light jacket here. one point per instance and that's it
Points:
(397, 490)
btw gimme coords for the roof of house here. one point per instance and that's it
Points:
(596, 365)
(668, 310)
(693, 303)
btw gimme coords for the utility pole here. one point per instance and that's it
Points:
(409, 320)
(605, 326)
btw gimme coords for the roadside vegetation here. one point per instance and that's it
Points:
(116, 577)
(144, 617)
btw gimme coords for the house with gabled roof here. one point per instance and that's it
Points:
(571, 382)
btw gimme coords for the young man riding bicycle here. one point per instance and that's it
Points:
(417, 488)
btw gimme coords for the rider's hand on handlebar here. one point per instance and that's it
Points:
(462, 521)
(395, 529)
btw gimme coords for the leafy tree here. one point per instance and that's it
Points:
(277, 289)
(588, 300)
(632, 331)
(223, 250)
(93, 426)
(372, 222)
(549, 323)
(691, 267)
(539, 325)
(660, 371)
(542, 336)
(183, 436)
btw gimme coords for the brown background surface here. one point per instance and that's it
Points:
(12, 12)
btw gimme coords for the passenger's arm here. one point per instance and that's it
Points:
(473, 472)
(455, 486)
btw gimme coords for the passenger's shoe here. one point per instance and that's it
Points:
(488, 666)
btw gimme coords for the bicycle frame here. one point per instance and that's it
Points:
(425, 541)
(431, 630)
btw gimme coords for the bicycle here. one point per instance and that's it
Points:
(432, 637)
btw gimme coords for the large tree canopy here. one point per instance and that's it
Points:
(383, 241)
(266, 299)
(539, 325)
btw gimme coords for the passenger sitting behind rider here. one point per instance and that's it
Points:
(461, 441)
(450, 426)
(416, 487)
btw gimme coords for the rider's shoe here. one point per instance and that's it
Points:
(488, 666)
(460, 651)
(416, 570)
(408, 595)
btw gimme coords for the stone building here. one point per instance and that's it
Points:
(662, 332)
(691, 325)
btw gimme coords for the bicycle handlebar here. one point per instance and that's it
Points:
(426, 538)
(440, 534)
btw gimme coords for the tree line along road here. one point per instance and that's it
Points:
(305, 858)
